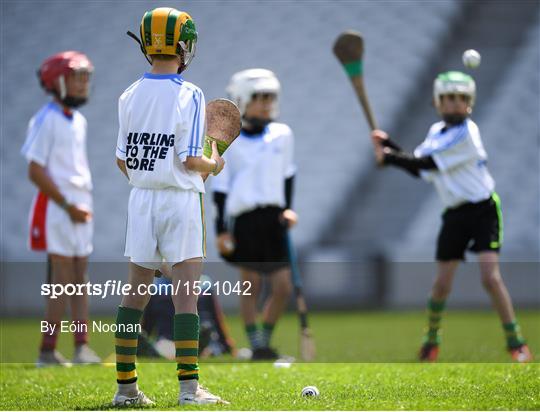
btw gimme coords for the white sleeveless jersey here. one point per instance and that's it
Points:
(57, 142)
(161, 123)
(256, 169)
(462, 174)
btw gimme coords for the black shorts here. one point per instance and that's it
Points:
(477, 227)
(260, 240)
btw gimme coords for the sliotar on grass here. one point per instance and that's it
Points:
(262, 387)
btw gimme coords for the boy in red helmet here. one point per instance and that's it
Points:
(61, 216)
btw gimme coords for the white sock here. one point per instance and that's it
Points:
(189, 385)
(128, 389)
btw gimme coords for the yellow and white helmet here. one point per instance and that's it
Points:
(165, 30)
(244, 84)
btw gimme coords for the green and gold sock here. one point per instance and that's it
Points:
(266, 334)
(186, 341)
(514, 338)
(254, 336)
(435, 309)
(126, 344)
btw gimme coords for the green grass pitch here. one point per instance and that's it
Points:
(366, 360)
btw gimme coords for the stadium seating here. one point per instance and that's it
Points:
(317, 101)
(348, 210)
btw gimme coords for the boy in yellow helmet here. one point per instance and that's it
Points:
(160, 139)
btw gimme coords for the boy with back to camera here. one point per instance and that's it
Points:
(161, 133)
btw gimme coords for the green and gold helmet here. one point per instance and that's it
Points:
(454, 83)
(168, 31)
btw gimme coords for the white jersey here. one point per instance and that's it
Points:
(461, 175)
(256, 169)
(57, 142)
(161, 123)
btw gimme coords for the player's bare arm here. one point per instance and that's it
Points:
(206, 165)
(38, 175)
(122, 166)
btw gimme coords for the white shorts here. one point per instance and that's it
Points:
(165, 226)
(52, 230)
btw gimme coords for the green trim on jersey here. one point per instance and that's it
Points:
(497, 200)
(201, 201)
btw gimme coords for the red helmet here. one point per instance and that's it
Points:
(54, 69)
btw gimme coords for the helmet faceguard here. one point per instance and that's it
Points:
(187, 43)
(245, 84)
(454, 83)
(167, 31)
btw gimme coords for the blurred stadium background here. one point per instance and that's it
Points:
(365, 237)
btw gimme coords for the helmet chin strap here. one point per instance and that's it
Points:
(181, 66)
(74, 102)
(62, 87)
(69, 101)
(134, 37)
(453, 119)
(254, 125)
